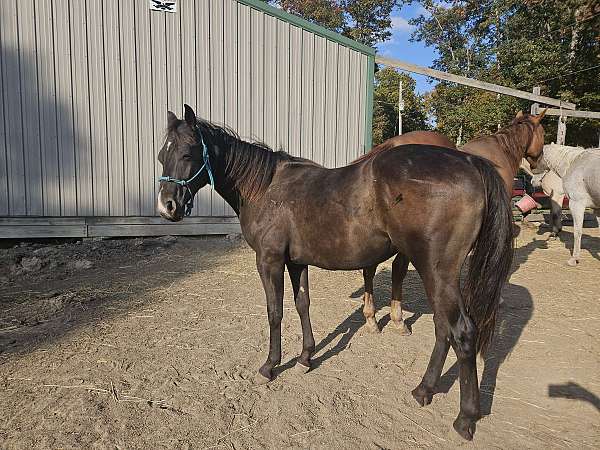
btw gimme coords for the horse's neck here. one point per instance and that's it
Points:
(243, 171)
(501, 148)
(560, 157)
(514, 142)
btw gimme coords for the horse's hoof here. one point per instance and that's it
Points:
(263, 376)
(302, 368)
(400, 328)
(371, 327)
(260, 379)
(465, 427)
(422, 395)
(573, 262)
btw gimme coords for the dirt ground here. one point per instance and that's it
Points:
(154, 343)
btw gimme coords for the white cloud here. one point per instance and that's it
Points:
(401, 24)
(421, 10)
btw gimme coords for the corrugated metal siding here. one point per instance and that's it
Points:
(85, 85)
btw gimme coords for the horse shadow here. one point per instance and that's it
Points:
(513, 316)
(588, 243)
(352, 324)
(573, 391)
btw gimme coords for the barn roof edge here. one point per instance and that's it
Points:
(305, 24)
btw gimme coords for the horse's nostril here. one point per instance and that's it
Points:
(170, 205)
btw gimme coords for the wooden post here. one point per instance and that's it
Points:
(562, 130)
(535, 106)
(400, 109)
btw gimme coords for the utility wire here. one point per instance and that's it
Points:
(559, 76)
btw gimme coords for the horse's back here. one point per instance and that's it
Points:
(419, 163)
(417, 137)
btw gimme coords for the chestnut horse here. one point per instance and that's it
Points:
(431, 204)
(523, 138)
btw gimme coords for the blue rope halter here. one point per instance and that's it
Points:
(185, 183)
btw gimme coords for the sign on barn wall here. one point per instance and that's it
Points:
(163, 5)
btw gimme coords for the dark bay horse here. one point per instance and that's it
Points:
(431, 204)
(523, 138)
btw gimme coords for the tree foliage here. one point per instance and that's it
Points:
(548, 43)
(365, 21)
(385, 108)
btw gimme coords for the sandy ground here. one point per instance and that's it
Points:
(154, 344)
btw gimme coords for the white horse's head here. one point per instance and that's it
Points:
(536, 179)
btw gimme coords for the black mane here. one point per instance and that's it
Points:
(250, 164)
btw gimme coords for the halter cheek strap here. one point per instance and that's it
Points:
(185, 183)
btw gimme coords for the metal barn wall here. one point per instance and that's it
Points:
(85, 85)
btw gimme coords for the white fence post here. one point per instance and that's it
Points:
(562, 130)
(535, 106)
(400, 109)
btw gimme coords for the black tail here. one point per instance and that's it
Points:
(491, 259)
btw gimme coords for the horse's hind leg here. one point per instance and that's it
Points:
(369, 301)
(399, 270)
(578, 212)
(452, 328)
(463, 340)
(423, 393)
(299, 279)
(440, 294)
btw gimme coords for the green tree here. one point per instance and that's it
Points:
(385, 108)
(548, 43)
(365, 21)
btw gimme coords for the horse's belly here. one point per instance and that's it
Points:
(339, 251)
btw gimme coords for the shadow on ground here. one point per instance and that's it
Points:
(573, 391)
(37, 311)
(513, 316)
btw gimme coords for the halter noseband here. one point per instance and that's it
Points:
(189, 205)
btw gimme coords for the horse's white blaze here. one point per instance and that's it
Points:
(160, 205)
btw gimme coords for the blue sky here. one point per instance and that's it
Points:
(399, 46)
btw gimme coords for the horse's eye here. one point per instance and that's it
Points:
(187, 157)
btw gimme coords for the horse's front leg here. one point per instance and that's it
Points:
(578, 212)
(299, 279)
(270, 268)
(556, 202)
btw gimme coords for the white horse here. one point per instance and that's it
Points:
(579, 171)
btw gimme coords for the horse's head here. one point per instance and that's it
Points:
(186, 166)
(536, 179)
(536, 142)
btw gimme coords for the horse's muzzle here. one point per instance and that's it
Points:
(168, 207)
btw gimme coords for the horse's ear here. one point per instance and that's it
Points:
(190, 116)
(171, 119)
(519, 115)
(537, 119)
